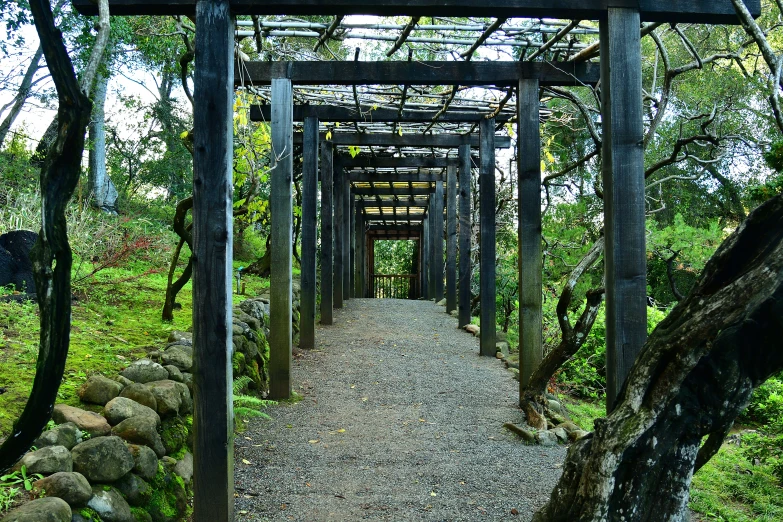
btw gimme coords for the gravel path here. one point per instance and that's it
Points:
(400, 419)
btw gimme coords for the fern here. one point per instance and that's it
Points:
(247, 406)
(240, 383)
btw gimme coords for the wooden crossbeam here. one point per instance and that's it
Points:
(445, 141)
(500, 73)
(392, 177)
(386, 191)
(329, 113)
(392, 203)
(393, 228)
(388, 162)
(698, 11)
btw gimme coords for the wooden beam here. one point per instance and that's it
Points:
(395, 228)
(487, 239)
(354, 227)
(425, 258)
(367, 139)
(361, 261)
(696, 11)
(339, 209)
(212, 270)
(402, 203)
(391, 163)
(327, 234)
(473, 73)
(349, 114)
(437, 232)
(463, 306)
(309, 195)
(366, 177)
(386, 191)
(531, 347)
(451, 239)
(280, 336)
(431, 240)
(625, 259)
(346, 236)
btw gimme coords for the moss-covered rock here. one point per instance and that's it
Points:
(238, 363)
(169, 501)
(174, 434)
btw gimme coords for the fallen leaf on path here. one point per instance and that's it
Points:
(341, 430)
(313, 441)
(245, 461)
(433, 494)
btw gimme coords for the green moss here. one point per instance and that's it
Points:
(238, 363)
(90, 514)
(169, 496)
(140, 514)
(174, 434)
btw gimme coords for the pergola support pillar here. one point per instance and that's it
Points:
(425, 256)
(487, 241)
(451, 239)
(280, 337)
(346, 235)
(437, 233)
(623, 177)
(465, 165)
(213, 469)
(327, 234)
(339, 232)
(309, 189)
(353, 219)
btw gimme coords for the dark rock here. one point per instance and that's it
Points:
(167, 395)
(178, 356)
(546, 438)
(87, 421)
(184, 468)
(110, 505)
(16, 268)
(562, 435)
(48, 509)
(99, 390)
(121, 408)
(141, 394)
(103, 459)
(70, 486)
(174, 373)
(135, 490)
(175, 434)
(187, 380)
(186, 402)
(50, 459)
(145, 461)
(176, 336)
(141, 430)
(124, 381)
(144, 371)
(65, 434)
(555, 406)
(251, 322)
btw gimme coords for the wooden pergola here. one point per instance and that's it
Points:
(217, 76)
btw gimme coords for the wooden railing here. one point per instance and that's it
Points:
(394, 286)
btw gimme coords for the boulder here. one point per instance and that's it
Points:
(135, 490)
(502, 347)
(555, 406)
(141, 394)
(145, 461)
(454, 313)
(50, 459)
(122, 408)
(184, 468)
(442, 302)
(175, 434)
(177, 356)
(72, 487)
(110, 505)
(66, 434)
(99, 390)
(187, 380)
(167, 395)
(569, 426)
(86, 421)
(174, 373)
(124, 381)
(144, 371)
(562, 435)
(48, 509)
(103, 459)
(141, 430)
(16, 268)
(546, 438)
(186, 402)
(177, 336)
(472, 328)
(252, 322)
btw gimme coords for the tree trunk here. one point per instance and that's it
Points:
(101, 188)
(185, 236)
(694, 376)
(21, 94)
(532, 397)
(51, 255)
(263, 266)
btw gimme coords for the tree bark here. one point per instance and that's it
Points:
(533, 400)
(51, 255)
(694, 376)
(185, 236)
(21, 94)
(104, 195)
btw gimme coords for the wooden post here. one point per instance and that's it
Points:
(213, 466)
(371, 265)
(464, 235)
(353, 216)
(346, 225)
(425, 255)
(327, 233)
(358, 234)
(437, 252)
(309, 189)
(623, 176)
(431, 240)
(451, 239)
(282, 224)
(487, 240)
(531, 347)
(339, 231)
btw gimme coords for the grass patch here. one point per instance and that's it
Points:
(583, 413)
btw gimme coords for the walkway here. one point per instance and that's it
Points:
(400, 419)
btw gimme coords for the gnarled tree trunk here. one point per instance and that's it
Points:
(21, 94)
(694, 376)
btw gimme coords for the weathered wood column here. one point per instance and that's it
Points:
(451, 238)
(339, 231)
(353, 216)
(431, 240)
(465, 165)
(623, 176)
(425, 254)
(280, 329)
(487, 240)
(346, 226)
(309, 189)
(437, 233)
(213, 465)
(358, 262)
(327, 233)
(531, 349)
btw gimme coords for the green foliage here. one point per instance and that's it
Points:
(395, 257)
(247, 406)
(8, 496)
(20, 477)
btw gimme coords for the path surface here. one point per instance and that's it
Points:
(400, 420)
